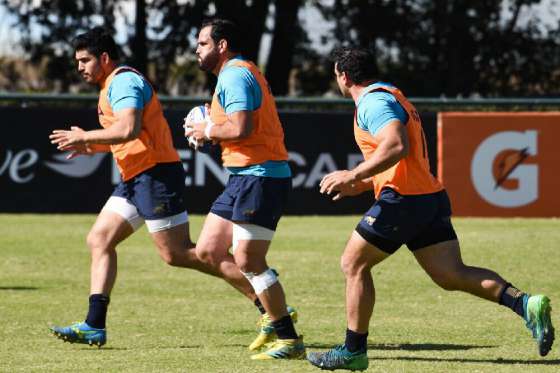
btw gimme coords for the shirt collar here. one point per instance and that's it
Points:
(368, 89)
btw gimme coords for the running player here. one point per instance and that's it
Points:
(411, 208)
(244, 120)
(151, 191)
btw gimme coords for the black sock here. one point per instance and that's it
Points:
(355, 341)
(285, 328)
(97, 313)
(513, 298)
(259, 305)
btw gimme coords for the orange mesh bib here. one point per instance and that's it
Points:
(153, 145)
(411, 175)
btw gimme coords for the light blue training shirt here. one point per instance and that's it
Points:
(238, 90)
(377, 109)
(129, 90)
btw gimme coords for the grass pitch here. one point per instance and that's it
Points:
(164, 319)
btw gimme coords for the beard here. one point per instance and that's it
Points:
(209, 62)
(92, 78)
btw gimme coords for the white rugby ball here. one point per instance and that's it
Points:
(197, 114)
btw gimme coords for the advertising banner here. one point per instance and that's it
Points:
(35, 177)
(500, 164)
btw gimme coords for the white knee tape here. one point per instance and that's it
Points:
(263, 281)
(250, 232)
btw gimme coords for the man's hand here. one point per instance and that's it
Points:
(77, 150)
(195, 130)
(73, 140)
(342, 181)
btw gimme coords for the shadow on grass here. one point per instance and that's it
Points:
(459, 360)
(410, 346)
(18, 288)
(96, 349)
(439, 347)
(242, 345)
(423, 347)
(181, 347)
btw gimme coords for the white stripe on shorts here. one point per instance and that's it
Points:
(129, 212)
(124, 208)
(167, 223)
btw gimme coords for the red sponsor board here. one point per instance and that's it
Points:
(500, 164)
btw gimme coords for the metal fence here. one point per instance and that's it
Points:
(305, 103)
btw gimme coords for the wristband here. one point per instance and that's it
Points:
(209, 125)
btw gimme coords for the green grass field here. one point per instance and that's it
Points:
(164, 319)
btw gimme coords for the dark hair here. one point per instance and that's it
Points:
(96, 41)
(224, 29)
(357, 63)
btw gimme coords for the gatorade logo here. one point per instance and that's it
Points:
(500, 173)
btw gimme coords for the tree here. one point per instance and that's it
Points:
(138, 41)
(284, 41)
(453, 47)
(250, 17)
(178, 25)
(156, 40)
(55, 22)
(428, 48)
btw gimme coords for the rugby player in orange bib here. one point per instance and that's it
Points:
(411, 208)
(244, 120)
(153, 180)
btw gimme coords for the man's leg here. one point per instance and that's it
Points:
(212, 249)
(157, 193)
(443, 263)
(358, 259)
(249, 257)
(250, 246)
(176, 248)
(107, 232)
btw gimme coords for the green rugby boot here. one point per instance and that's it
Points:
(283, 349)
(81, 333)
(266, 330)
(339, 358)
(537, 316)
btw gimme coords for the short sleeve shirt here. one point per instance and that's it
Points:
(129, 90)
(238, 89)
(377, 109)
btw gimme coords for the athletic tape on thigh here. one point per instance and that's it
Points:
(167, 223)
(250, 232)
(125, 209)
(263, 281)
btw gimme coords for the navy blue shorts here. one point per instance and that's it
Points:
(157, 192)
(253, 199)
(415, 220)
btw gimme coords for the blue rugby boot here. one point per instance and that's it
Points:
(81, 333)
(339, 358)
(537, 316)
